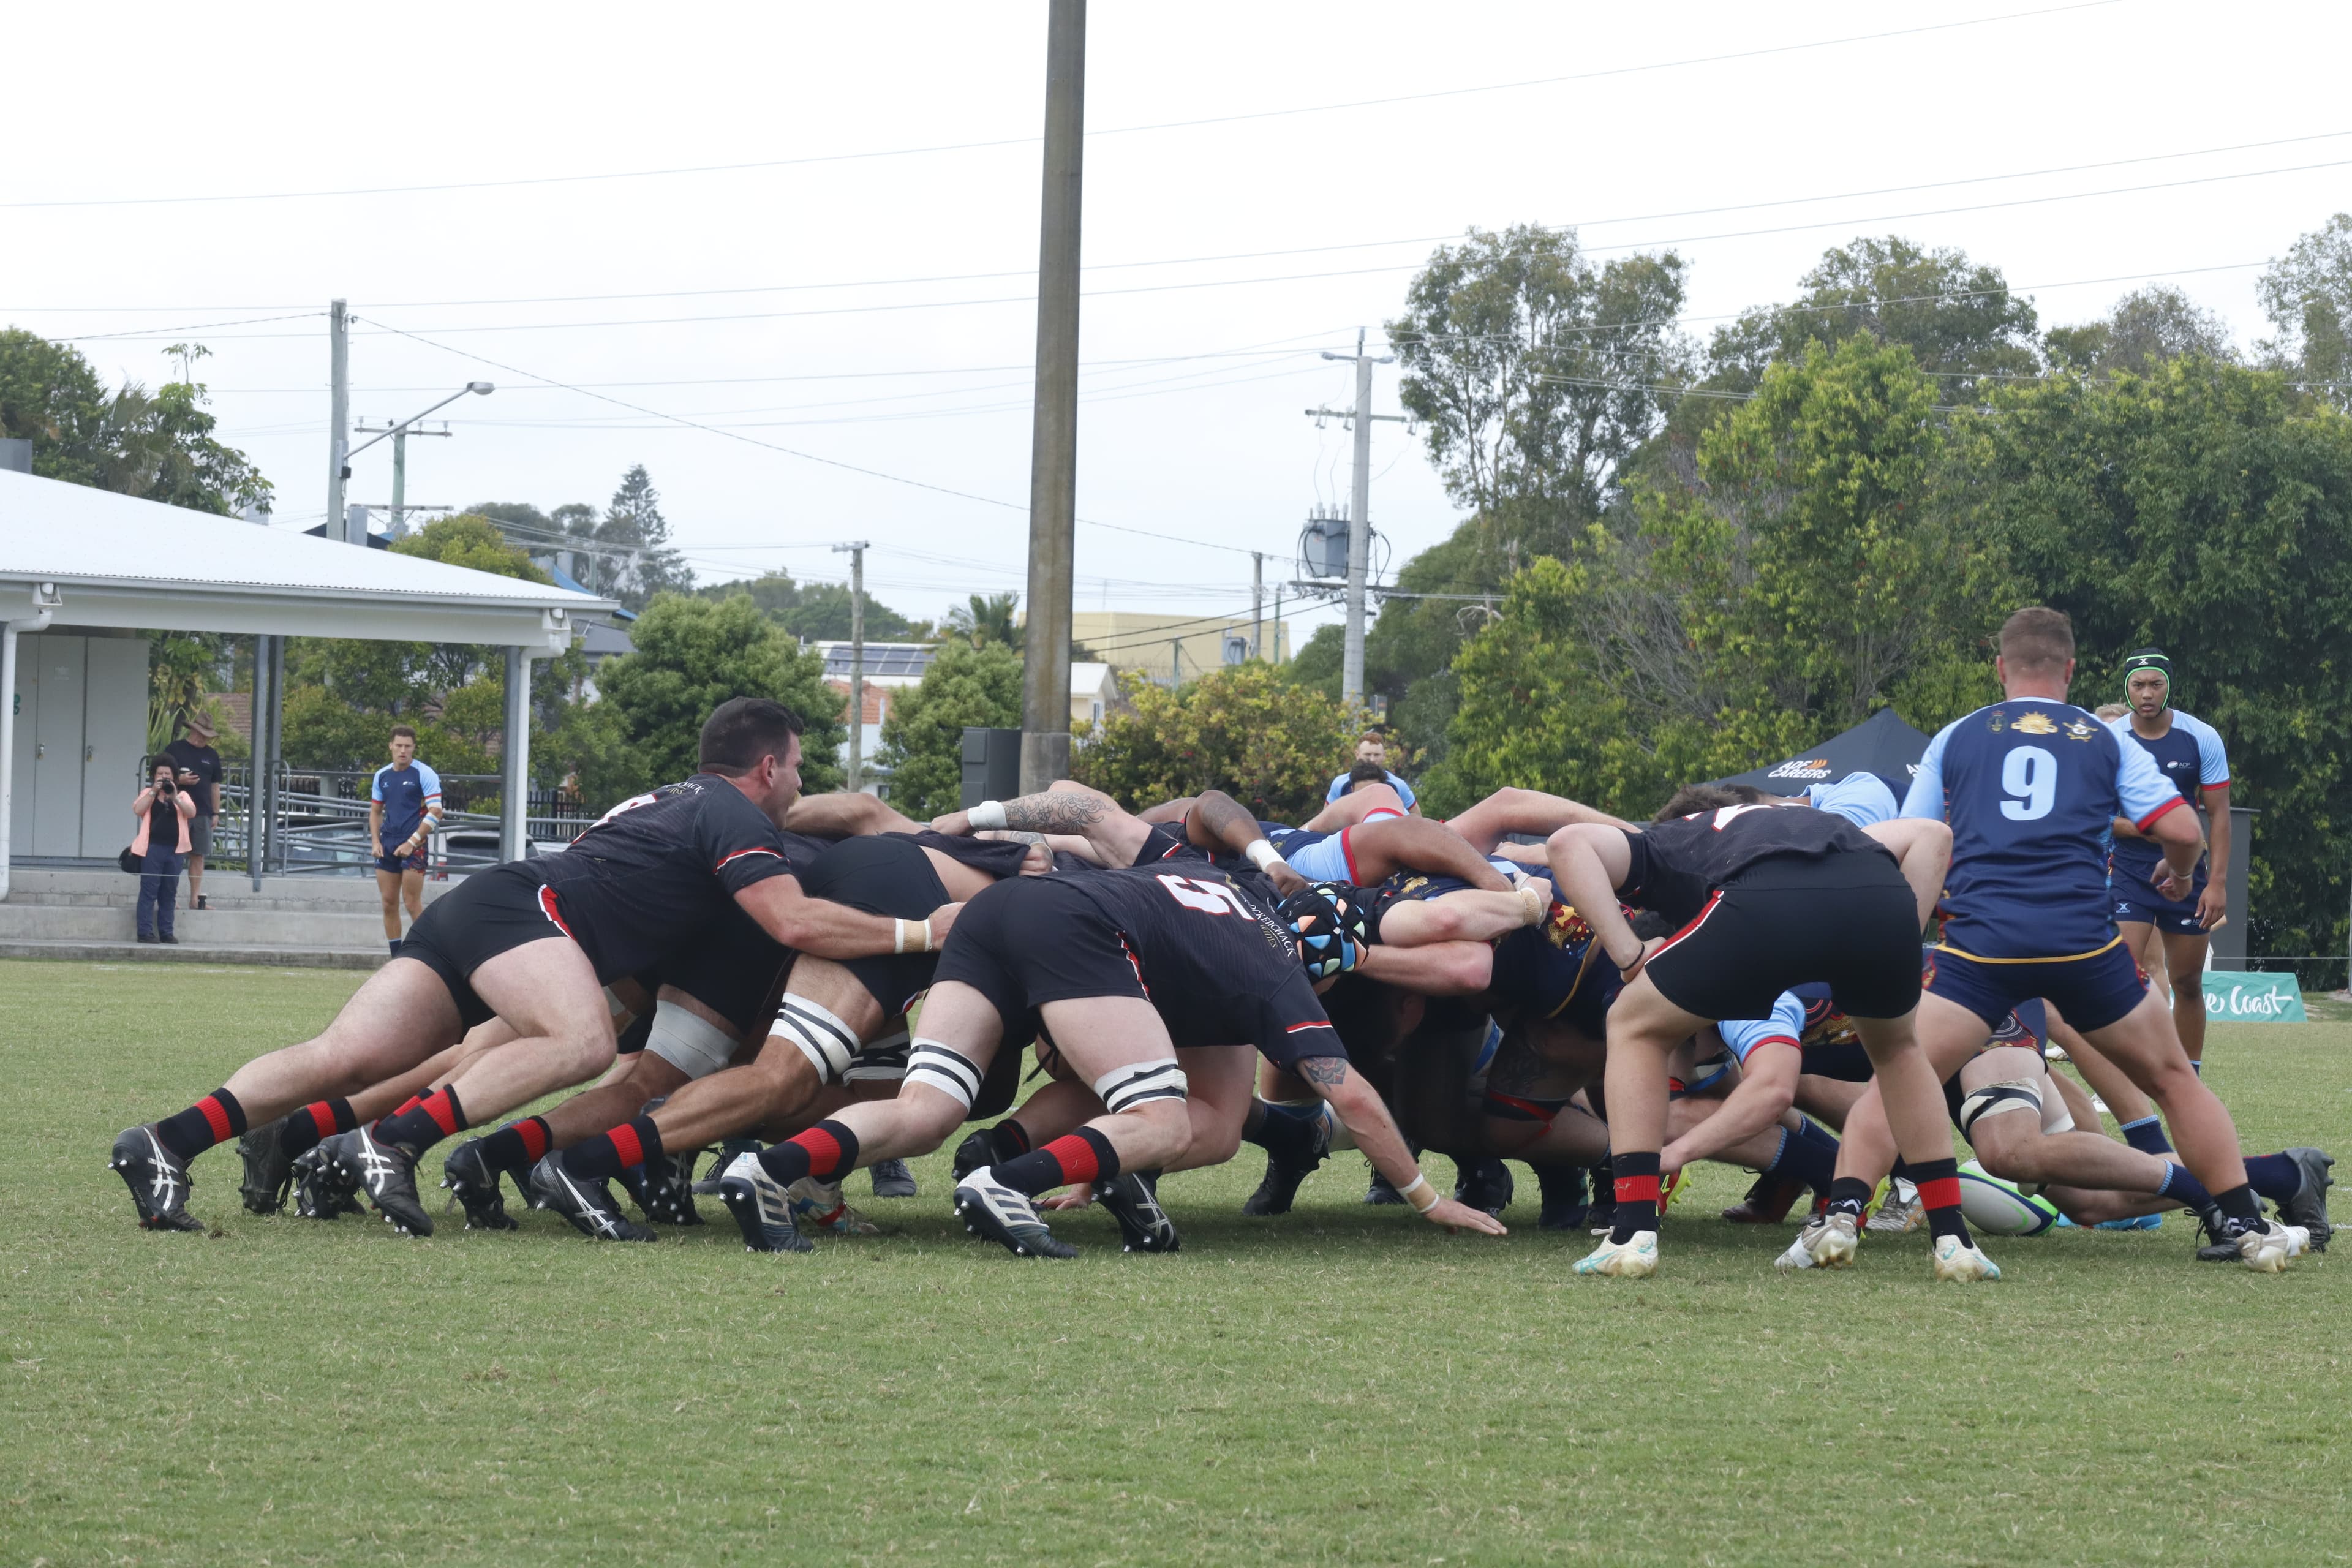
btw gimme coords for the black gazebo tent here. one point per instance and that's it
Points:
(1882, 744)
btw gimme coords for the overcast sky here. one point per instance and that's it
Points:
(875, 310)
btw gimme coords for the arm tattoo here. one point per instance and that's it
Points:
(1014, 836)
(1053, 811)
(1324, 1072)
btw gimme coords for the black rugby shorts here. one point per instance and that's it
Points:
(1846, 919)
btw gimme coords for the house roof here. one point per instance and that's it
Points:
(117, 561)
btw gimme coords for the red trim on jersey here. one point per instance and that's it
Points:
(738, 855)
(1546, 1114)
(1131, 963)
(1348, 854)
(1797, 1046)
(1376, 813)
(2217, 783)
(1696, 920)
(547, 907)
(1301, 1028)
(2176, 800)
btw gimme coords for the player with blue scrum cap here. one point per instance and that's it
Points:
(2190, 754)
(2030, 786)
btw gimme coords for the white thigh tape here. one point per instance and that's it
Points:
(1995, 1099)
(952, 1073)
(688, 1041)
(826, 1040)
(1123, 1088)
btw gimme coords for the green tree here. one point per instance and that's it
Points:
(2205, 508)
(638, 562)
(922, 738)
(2307, 294)
(157, 445)
(2146, 327)
(985, 618)
(1242, 729)
(1957, 318)
(473, 541)
(813, 612)
(691, 656)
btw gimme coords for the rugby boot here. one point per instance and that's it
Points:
(1278, 1188)
(1634, 1258)
(1485, 1184)
(387, 1173)
(158, 1180)
(1382, 1192)
(1564, 1201)
(973, 1153)
(761, 1208)
(819, 1206)
(2223, 1237)
(2267, 1247)
(661, 1194)
(588, 1205)
(1897, 1214)
(474, 1181)
(1828, 1241)
(319, 1190)
(1133, 1199)
(269, 1169)
(1958, 1262)
(892, 1179)
(2308, 1208)
(721, 1156)
(1767, 1201)
(1006, 1215)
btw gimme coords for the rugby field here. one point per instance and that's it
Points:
(1344, 1385)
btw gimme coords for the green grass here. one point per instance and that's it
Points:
(1345, 1384)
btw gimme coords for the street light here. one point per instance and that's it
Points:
(400, 434)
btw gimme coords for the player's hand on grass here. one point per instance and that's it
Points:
(1462, 1216)
(1070, 1198)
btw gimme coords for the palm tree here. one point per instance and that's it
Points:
(987, 618)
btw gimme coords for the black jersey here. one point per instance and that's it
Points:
(998, 857)
(657, 868)
(1214, 959)
(1678, 864)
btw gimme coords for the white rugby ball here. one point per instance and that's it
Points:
(1999, 1208)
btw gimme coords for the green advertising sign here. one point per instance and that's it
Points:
(2253, 998)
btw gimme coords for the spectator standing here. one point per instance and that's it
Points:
(402, 805)
(197, 770)
(164, 811)
(1372, 747)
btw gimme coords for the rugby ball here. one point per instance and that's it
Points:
(1999, 1208)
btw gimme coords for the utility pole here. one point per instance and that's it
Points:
(399, 435)
(856, 553)
(1360, 525)
(1054, 445)
(1257, 604)
(339, 418)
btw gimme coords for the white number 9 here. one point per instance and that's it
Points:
(2030, 774)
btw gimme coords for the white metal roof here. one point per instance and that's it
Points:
(117, 561)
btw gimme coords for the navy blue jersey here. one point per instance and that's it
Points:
(405, 793)
(2031, 789)
(2191, 756)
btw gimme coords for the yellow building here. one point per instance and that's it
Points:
(1171, 644)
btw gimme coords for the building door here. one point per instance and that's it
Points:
(56, 795)
(114, 742)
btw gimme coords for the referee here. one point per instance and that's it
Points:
(402, 805)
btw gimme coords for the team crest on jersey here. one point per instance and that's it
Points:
(2080, 728)
(1563, 927)
(2036, 723)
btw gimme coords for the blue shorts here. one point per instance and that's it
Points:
(1320, 857)
(2137, 899)
(396, 864)
(2091, 992)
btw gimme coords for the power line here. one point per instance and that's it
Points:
(1031, 140)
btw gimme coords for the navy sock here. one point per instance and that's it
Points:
(2196, 1066)
(2273, 1176)
(2238, 1203)
(215, 1119)
(1812, 1131)
(1285, 1131)
(1636, 1182)
(1805, 1160)
(2181, 1182)
(1849, 1195)
(393, 943)
(2146, 1135)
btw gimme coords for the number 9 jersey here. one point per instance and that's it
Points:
(2031, 789)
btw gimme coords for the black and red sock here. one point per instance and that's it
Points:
(433, 1118)
(608, 1155)
(1637, 1194)
(313, 1124)
(1084, 1157)
(825, 1151)
(517, 1146)
(215, 1119)
(1938, 1182)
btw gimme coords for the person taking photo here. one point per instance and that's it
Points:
(164, 811)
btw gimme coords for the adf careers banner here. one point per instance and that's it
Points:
(2252, 998)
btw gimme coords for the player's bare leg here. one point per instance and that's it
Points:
(2184, 966)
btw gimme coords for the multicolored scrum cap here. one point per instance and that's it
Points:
(2153, 658)
(1329, 925)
